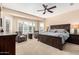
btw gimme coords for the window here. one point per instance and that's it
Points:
(41, 26)
(26, 26)
(20, 27)
(30, 25)
(7, 25)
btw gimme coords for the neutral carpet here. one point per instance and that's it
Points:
(33, 47)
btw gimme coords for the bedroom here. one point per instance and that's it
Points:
(33, 24)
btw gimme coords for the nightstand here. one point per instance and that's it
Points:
(74, 38)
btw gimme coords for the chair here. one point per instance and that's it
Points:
(20, 37)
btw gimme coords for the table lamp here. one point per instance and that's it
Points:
(75, 26)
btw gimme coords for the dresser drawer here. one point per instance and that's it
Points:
(74, 38)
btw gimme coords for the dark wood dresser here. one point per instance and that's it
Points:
(74, 38)
(7, 44)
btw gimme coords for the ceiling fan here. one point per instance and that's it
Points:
(47, 9)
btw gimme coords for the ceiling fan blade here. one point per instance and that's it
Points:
(44, 12)
(45, 6)
(50, 11)
(52, 7)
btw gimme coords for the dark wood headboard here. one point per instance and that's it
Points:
(62, 26)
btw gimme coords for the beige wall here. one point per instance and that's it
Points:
(65, 18)
(69, 17)
(18, 16)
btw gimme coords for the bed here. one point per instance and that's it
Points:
(54, 41)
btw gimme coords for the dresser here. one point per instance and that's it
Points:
(7, 43)
(74, 38)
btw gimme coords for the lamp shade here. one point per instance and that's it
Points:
(75, 26)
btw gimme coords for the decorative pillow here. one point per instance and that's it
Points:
(53, 30)
(58, 31)
(61, 30)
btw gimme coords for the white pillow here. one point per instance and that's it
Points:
(52, 30)
(61, 31)
(58, 31)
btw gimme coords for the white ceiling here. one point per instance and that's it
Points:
(31, 8)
